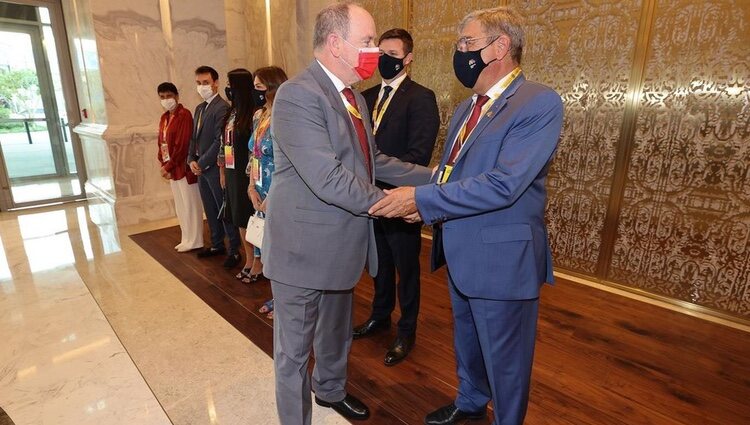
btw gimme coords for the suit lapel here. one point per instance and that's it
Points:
(338, 105)
(198, 114)
(490, 115)
(461, 111)
(362, 106)
(204, 115)
(329, 89)
(396, 101)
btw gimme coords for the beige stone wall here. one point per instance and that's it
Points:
(121, 51)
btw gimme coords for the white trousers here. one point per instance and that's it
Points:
(187, 203)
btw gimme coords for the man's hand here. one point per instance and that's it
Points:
(262, 206)
(397, 203)
(164, 173)
(195, 168)
(413, 218)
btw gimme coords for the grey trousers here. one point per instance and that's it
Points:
(306, 319)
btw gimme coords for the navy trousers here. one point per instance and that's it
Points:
(212, 197)
(494, 343)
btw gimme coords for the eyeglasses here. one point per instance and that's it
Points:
(466, 43)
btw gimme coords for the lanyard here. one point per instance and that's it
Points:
(352, 110)
(260, 131)
(229, 130)
(462, 136)
(200, 119)
(505, 82)
(165, 127)
(380, 112)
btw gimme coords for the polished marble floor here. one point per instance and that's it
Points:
(97, 332)
(45, 188)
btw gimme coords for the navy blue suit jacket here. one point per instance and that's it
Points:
(493, 233)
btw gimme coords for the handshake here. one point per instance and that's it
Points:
(397, 203)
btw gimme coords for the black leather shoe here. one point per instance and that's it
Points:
(450, 414)
(210, 252)
(232, 261)
(350, 407)
(399, 350)
(370, 327)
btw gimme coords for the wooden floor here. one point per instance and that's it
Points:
(600, 358)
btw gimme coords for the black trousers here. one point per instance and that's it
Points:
(399, 244)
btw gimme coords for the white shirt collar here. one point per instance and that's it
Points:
(497, 89)
(336, 80)
(211, 99)
(395, 84)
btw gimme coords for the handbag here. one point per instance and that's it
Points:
(254, 230)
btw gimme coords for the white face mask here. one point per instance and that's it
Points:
(169, 104)
(205, 91)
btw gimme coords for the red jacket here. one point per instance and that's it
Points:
(179, 130)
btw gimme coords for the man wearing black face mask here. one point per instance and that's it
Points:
(487, 203)
(405, 121)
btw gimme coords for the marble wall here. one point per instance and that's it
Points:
(121, 51)
(289, 23)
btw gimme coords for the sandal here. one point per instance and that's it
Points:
(245, 272)
(267, 307)
(254, 277)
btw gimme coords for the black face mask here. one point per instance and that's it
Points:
(228, 92)
(389, 66)
(259, 97)
(469, 65)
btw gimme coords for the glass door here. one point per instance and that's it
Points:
(37, 159)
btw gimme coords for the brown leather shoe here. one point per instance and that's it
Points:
(370, 327)
(399, 350)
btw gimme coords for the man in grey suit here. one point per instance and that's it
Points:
(208, 127)
(318, 236)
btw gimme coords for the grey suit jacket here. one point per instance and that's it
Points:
(317, 232)
(206, 140)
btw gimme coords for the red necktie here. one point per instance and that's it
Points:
(361, 133)
(470, 124)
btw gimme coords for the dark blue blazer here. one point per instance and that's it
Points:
(493, 234)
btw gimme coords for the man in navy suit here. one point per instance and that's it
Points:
(405, 121)
(208, 129)
(487, 203)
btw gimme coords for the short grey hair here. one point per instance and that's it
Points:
(332, 19)
(500, 21)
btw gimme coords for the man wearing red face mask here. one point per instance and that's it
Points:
(318, 236)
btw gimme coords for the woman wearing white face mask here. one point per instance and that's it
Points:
(175, 130)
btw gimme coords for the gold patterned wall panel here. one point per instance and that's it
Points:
(433, 26)
(684, 226)
(387, 13)
(584, 50)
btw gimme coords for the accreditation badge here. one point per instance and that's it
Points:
(445, 174)
(229, 157)
(164, 152)
(256, 174)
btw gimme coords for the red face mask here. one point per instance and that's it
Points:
(367, 61)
